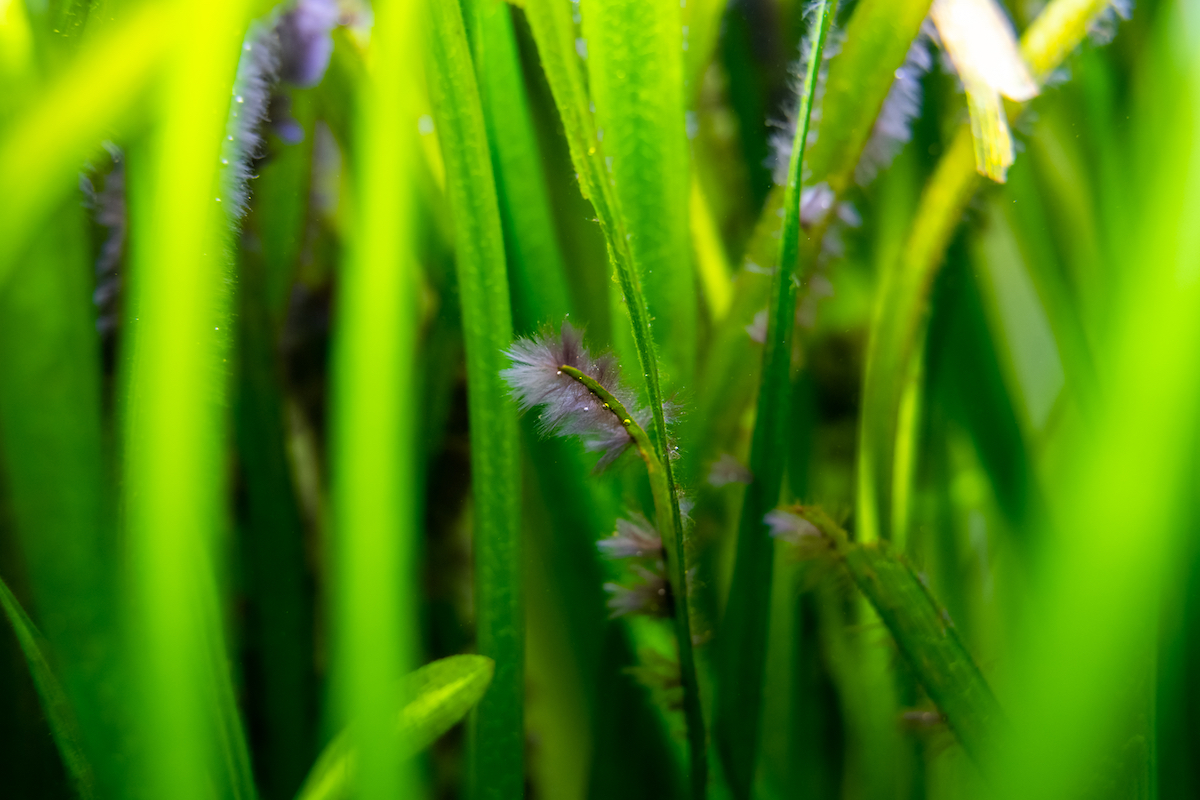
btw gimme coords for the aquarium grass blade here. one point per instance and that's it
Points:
(497, 730)
(537, 272)
(744, 629)
(923, 632)
(173, 439)
(61, 717)
(373, 396)
(553, 30)
(432, 700)
(634, 61)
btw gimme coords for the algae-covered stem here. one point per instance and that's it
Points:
(667, 517)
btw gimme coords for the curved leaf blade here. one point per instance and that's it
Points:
(434, 698)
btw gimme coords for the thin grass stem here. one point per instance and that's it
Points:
(745, 627)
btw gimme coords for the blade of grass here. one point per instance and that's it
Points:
(432, 700)
(173, 440)
(923, 632)
(553, 31)
(497, 729)
(635, 68)
(53, 450)
(373, 450)
(537, 271)
(57, 708)
(745, 626)
(896, 331)
(563, 549)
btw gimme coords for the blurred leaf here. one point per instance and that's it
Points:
(53, 448)
(897, 330)
(1082, 678)
(375, 402)
(175, 347)
(46, 146)
(433, 698)
(55, 705)
(924, 633)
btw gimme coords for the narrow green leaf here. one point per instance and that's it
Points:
(923, 631)
(56, 476)
(433, 699)
(497, 733)
(634, 54)
(173, 492)
(55, 704)
(375, 406)
(537, 271)
(553, 31)
(555, 35)
(1128, 501)
(745, 626)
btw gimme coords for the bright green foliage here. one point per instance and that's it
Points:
(258, 463)
(374, 481)
(746, 617)
(924, 633)
(635, 73)
(433, 699)
(497, 729)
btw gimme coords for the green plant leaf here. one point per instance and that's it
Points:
(175, 348)
(634, 55)
(537, 271)
(433, 699)
(374, 394)
(56, 706)
(497, 731)
(746, 623)
(553, 31)
(923, 632)
(45, 147)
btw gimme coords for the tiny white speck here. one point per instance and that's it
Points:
(241, 99)
(218, 199)
(224, 160)
(581, 47)
(425, 124)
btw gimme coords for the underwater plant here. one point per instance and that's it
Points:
(599, 398)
